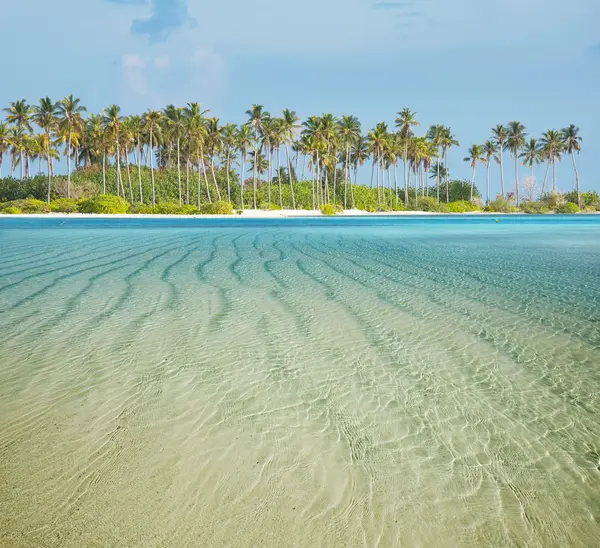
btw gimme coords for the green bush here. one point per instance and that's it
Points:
(105, 203)
(141, 209)
(459, 206)
(534, 207)
(327, 209)
(63, 205)
(423, 203)
(11, 210)
(553, 200)
(500, 205)
(589, 199)
(31, 205)
(338, 208)
(188, 209)
(568, 208)
(269, 206)
(458, 190)
(217, 208)
(167, 208)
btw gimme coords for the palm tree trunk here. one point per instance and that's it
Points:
(346, 162)
(390, 185)
(204, 172)
(287, 152)
(334, 177)
(242, 170)
(128, 175)
(199, 184)
(48, 160)
(212, 170)
(517, 174)
(446, 174)
(487, 182)
(21, 154)
(438, 180)
(152, 172)
(254, 177)
(69, 165)
(554, 173)
(279, 177)
(228, 164)
(139, 154)
(405, 174)
(576, 179)
(104, 171)
(187, 180)
(313, 176)
(396, 181)
(545, 178)
(502, 170)
(118, 158)
(269, 171)
(472, 184)
(178, 171)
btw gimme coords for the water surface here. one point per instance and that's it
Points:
(299, 383)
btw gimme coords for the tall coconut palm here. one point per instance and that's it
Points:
(196, 123)
(4, 143)
(152, 119)
(531, 155)
(214, 141)
(113, 122)
(476, 155)
(349, 130)
(551, 146)
(499, 136)
(136, 126)
(245, 138)
(290, 126)
(435, 134)
(490, 149)
(572, 144)
(70, 113)
(447, 142)
(405, 121)
(175, 122)
(257, 115)
(515, 142)
(19, 113)
(229, 140)
(45, 116)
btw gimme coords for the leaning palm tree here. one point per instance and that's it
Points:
(19, 113)
(405, 122)
(290, 126)
(152, 120)
(515, 142)
(476, 155)
(490, 149)
(499, 136)
(70, 112)
(45, 116)
(572, 144)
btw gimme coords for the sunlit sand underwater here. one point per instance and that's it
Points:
(300, 383)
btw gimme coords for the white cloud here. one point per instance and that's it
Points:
(133, 61)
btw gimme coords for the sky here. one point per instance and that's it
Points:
(469, 64)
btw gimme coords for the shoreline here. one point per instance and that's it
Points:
(273, 214)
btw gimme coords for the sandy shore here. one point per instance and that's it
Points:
(250, 214)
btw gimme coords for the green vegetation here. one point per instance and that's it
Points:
(568, 208)
(327, 209)
(105, 203)
(63, 205)
(11, 210)
(182, 156)
(500, 205)
(217, 208)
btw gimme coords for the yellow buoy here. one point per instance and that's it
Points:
(497, 221)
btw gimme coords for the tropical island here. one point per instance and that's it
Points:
(180, 160)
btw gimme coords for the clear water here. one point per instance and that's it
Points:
(300, 383)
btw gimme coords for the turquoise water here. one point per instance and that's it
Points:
(298, 383)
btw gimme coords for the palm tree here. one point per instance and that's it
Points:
(572, 144)
(175, 121)
(152, 119)
(404, 122)
(4, 142)
(515, 142)
(136, 126)
(112, 122)
(245, 137)
(349, 129)
(531, 156)
(19, 113)
(229, 140)
(213, 135)
(196, 123)
(435, 134)
(45, 116)
(476, 154)
(447, 142)
(289, 126)
(257, 115)
(499, 136)
(490, 148)
(551, 146)
(70, 112)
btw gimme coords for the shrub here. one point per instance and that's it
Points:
(327, 209)
(31, 205)
(11, 210)
(188, 209)
(167, 208)
(588, 199)
(423, 203)
(553, 200)
(63, 205)
(141, 209)
(105, 203)
(338, 208)
(459, 189)
(500, 205)
(217, 208)
(568, 208)
(534, 207)
(269, 206)
(460, 206)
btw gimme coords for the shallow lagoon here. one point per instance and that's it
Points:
(375, 381)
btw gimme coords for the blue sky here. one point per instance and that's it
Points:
(469, 64)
